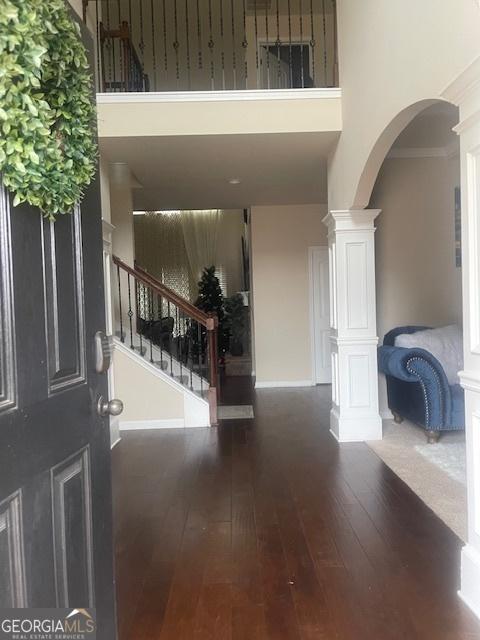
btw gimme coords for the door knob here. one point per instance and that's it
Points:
(109, 408)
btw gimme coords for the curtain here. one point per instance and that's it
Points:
(160, 249)
(200, 234)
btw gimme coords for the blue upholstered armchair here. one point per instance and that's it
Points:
(418, 389)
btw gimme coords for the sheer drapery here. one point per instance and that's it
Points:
(200, 234)
(160, 249)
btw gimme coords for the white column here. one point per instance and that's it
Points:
(465, 92)
(354, 415)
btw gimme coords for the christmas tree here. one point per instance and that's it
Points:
(210, 296)
(210, 299)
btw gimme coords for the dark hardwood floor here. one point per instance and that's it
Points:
(267, 529)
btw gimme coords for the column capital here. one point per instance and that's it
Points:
(351, 219)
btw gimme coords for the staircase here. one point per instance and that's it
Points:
(174, 337)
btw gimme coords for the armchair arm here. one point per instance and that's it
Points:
(418, 365)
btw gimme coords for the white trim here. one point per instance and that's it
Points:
(386, 414)
(283, 384)
(311, 251)
(470, 590)
(469, 380)
(463, 84)
(418, 152)
(135, 425)
(354, 340)
(313, 360)
(114, 444)
(220, 96)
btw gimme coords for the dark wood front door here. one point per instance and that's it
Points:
(55, 483)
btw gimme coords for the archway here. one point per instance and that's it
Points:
(419, 285)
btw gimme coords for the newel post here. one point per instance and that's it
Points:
(212, 335)
(354, 415)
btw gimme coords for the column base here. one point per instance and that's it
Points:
(470, 589)
(358, 429)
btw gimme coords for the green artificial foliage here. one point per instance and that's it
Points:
(210, 299)
(48, 150)
(210, 296)
(235, 323)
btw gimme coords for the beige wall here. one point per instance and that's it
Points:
(281, 236)
(122, 212)
(140, 115)
(391, 55)
(417, 280)
(144, 395)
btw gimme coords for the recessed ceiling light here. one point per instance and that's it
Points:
(234, 181)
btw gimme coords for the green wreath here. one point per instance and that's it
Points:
(48, 150)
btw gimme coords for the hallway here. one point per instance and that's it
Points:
(267, 529)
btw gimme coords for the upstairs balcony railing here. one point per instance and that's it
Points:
(214, 45)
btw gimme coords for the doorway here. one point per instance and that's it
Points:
(320, 315)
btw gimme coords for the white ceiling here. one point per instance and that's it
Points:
(193, 172)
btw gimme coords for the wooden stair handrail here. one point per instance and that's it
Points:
(209, 321)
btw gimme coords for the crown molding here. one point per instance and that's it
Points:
(219, 96)
(467, 82)
(449, 151)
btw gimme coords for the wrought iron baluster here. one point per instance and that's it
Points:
(222, 35)
(234, 54)
(141, 301)
(245, 43)
(98, 44)
(312, 41)
(151, 316)
(160, 315)
(180, 342)
(121, 83)
(335, 44)
(141, 46)
(110, 44)
(268, 44)
(130, 311)
(122, 337)
(256, 38)
(154, 49)
(176, 44)
(199, 37)
(300, 13)
(200, 355)
(171, 345)
(130, 23)
(290, 64)
(278, 44)
(211, 46)
(190, 350)
(324, 23)
(165, 46)
(187, 29)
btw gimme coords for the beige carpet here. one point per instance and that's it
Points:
(235, 412)
(436, 475)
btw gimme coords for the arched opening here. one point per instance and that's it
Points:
(419, 286)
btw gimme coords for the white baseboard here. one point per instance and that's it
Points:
(114, 444)
(282, 384)
(169, 423)
(362, 429)
(386, 414)
(470, 590)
